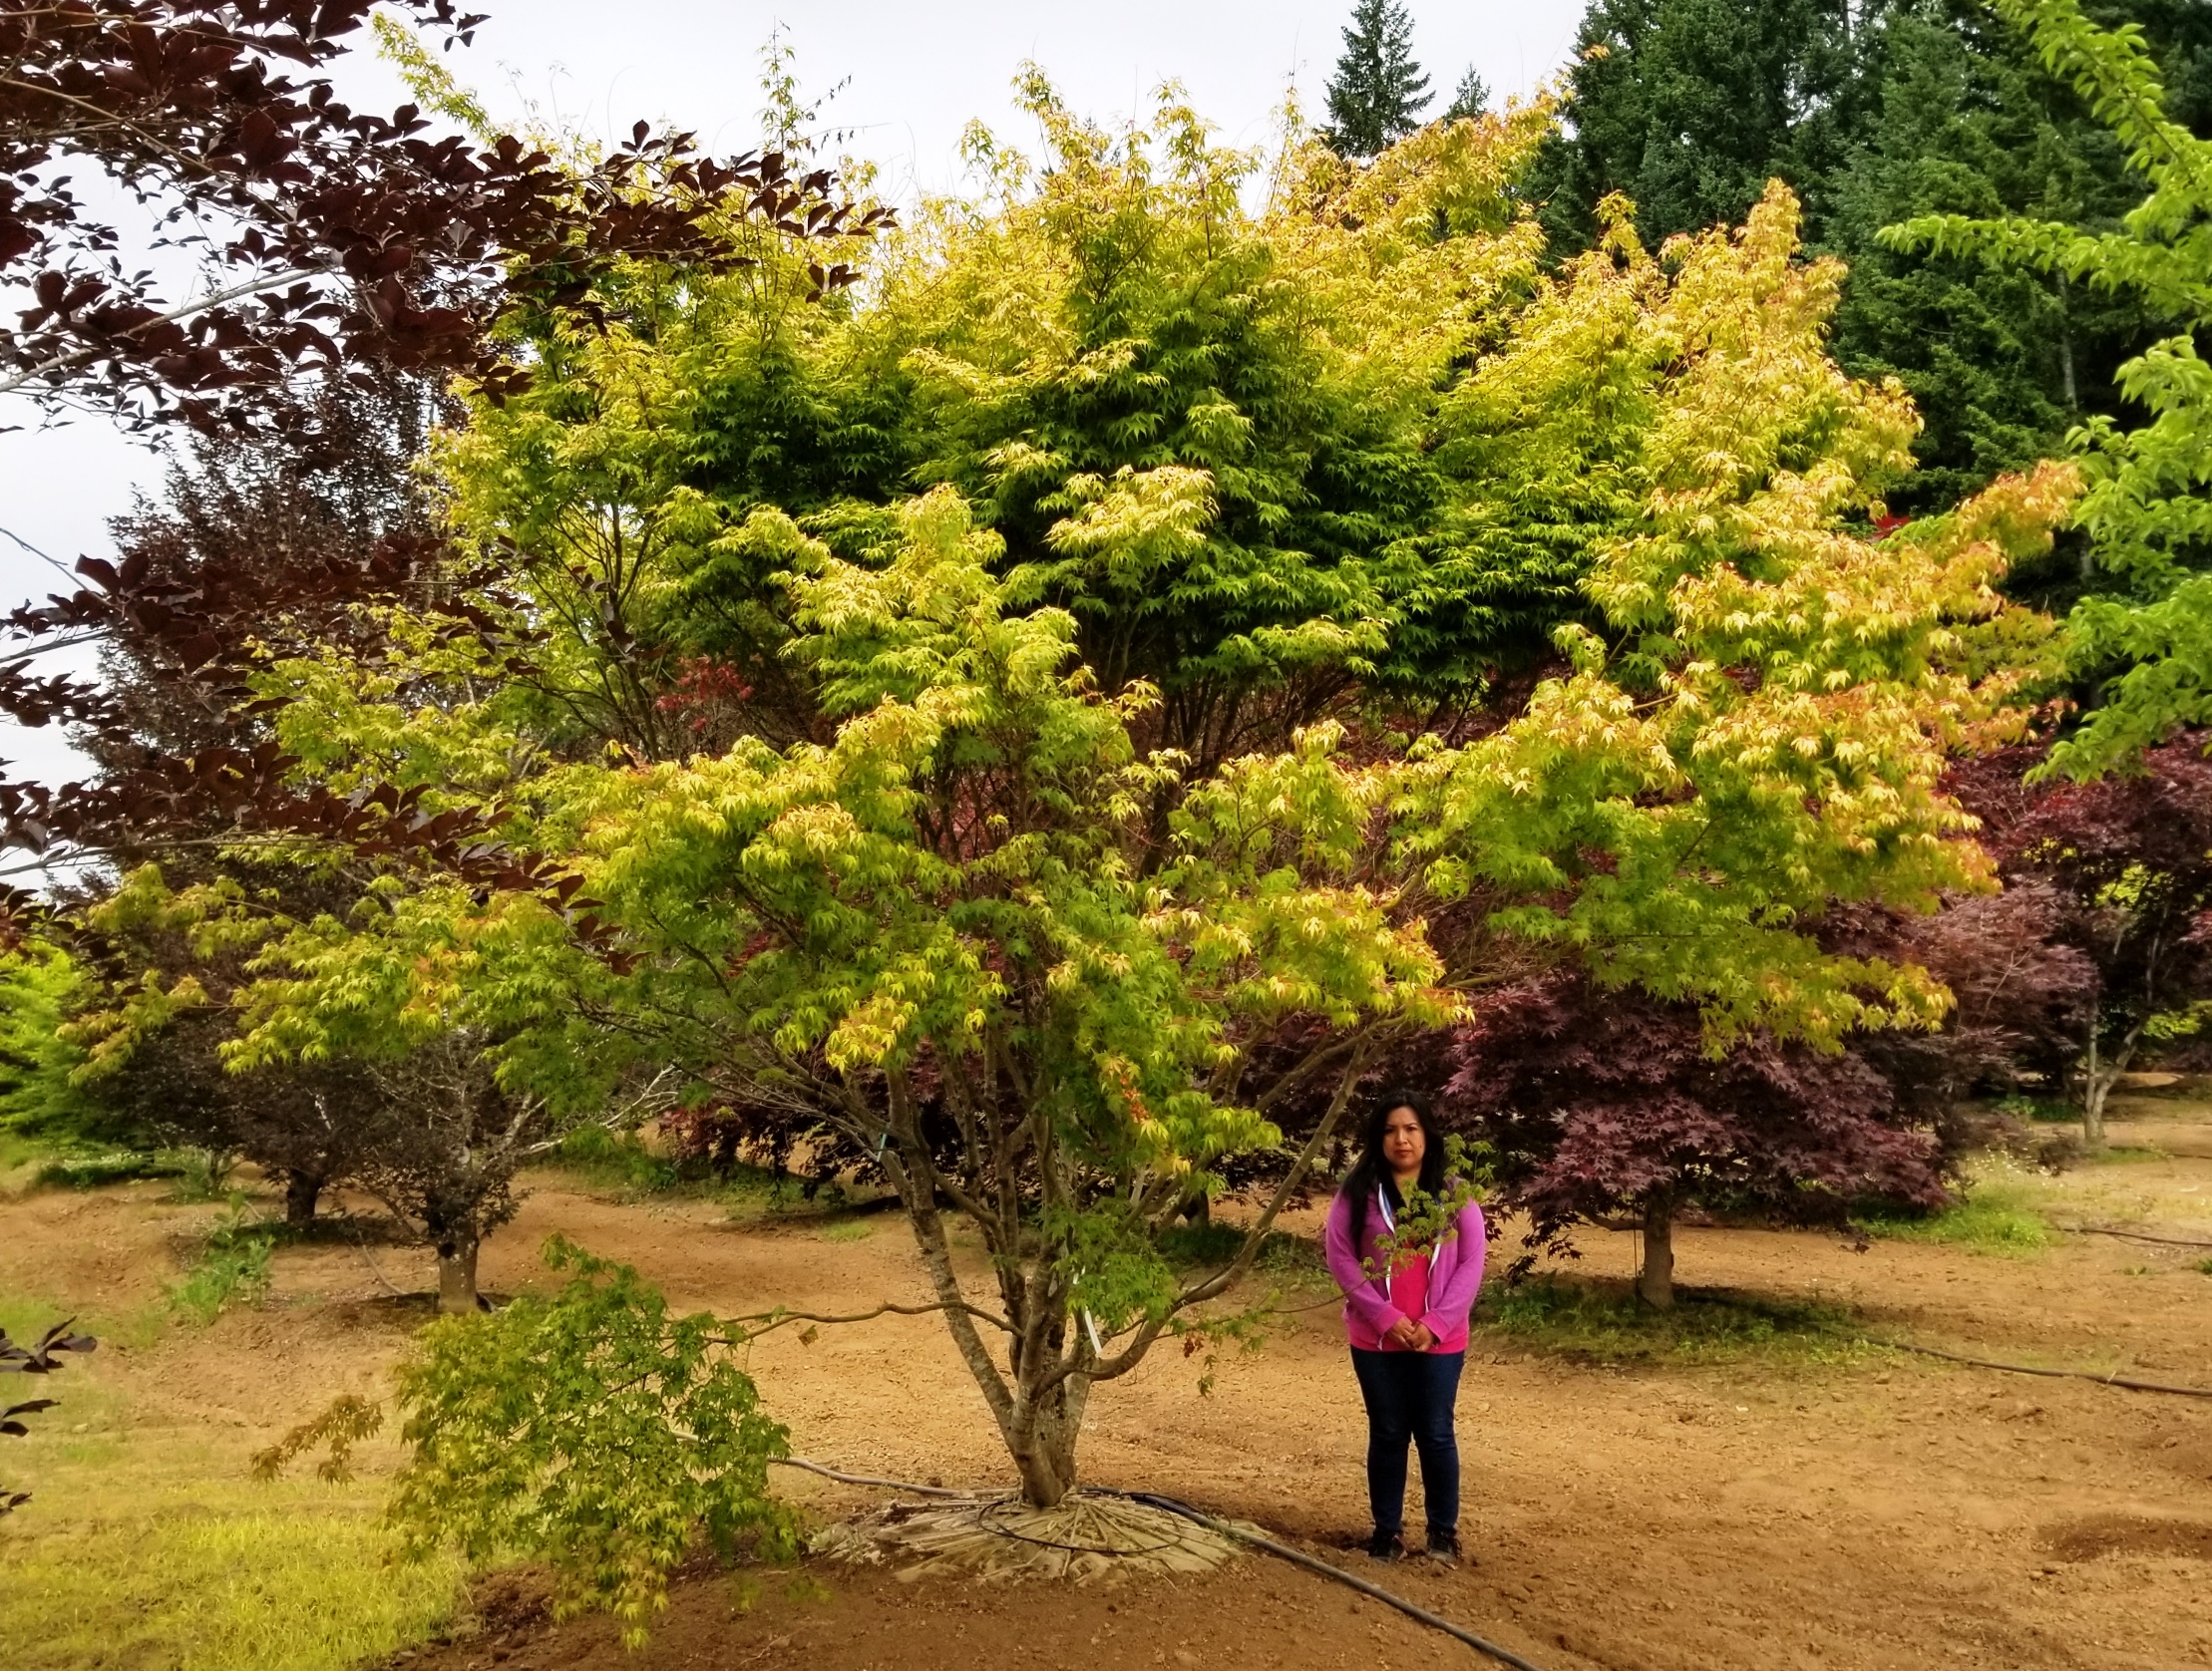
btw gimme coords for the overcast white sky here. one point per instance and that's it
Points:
(917, 73)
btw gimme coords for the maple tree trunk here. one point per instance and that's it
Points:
(2093, 1085)
(1655, 1283)
(1044, 1450)
(2093, 1108)
(457, 1294)
(302, 1190)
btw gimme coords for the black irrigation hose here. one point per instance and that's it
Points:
(1298, 1558)
(1222, 1529)
(2113, 1380)
(2132, 1235)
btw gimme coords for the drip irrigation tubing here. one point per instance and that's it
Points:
(1223, 1528)
(2133, 1235)
(2114, 1380)
(1298, 1558)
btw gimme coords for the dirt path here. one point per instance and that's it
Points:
(1881, 1513)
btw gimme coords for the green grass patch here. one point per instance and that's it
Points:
(145, 1549)
(847, 1229)
(2044, 1110)
(72, 1164)
(2205, 1265)
(232, 1269)
(124, 1558)
(1994, 1218)
(1603, 1322)
(97, 1170)
(2117, 1155)
(617, 1161)
(25, 1316)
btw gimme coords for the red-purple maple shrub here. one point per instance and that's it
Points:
(1607, 1106)
(2129, 859)
(333, 246)
(2021, 991)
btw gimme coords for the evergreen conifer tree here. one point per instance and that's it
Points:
(1877, 112)
(1692, 106)
(1377, 93)
(1470, 98)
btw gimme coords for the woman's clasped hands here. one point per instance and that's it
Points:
(1408, 1336)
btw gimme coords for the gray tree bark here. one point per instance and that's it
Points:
(1654, 1282)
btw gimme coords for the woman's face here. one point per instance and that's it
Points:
(1403, 1141)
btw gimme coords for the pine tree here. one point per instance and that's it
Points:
(1692, 106)
(1877, 112)
(1470, 98)
(1377, 94)
(1960, 119)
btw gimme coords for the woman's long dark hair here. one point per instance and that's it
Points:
(1370, 1172)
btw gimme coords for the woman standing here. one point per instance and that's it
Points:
(1407, 1322)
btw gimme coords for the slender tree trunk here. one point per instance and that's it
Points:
(457, 1292)
(1655, 1283)
(2065, 348)
(2095, 1082)
(2102, 1077)
(2093, 1108)
(302, 1190)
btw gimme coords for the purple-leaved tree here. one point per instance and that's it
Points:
(1607, 1106)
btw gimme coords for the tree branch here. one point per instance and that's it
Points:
(81, 356)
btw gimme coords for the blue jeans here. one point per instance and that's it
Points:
(1411, 1394)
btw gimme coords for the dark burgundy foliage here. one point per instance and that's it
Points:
(2022, 993)
(1606, 1105)
(345, 239)
(361, 248)
(2128, 859)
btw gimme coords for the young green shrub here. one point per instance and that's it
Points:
(591, 1430)
(233, 1266)
(615, 1161)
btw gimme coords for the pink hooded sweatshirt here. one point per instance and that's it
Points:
(1454, 1277)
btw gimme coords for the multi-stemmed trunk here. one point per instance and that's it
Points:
(1037, 1399)
(2100, 1072)
(1041, 1440)
(1040, 1383)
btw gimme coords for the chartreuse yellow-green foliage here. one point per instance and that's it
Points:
(1042, 721)
(145, 1544)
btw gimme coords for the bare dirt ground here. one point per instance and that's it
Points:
(1868, 1511)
